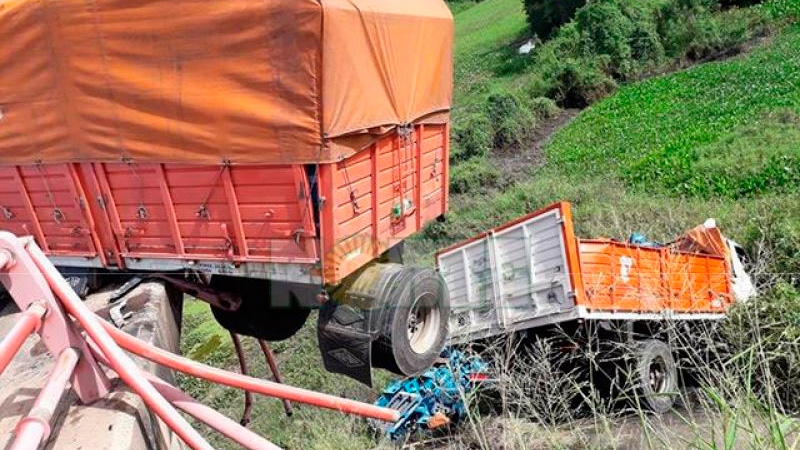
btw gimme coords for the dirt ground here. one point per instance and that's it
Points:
(516, 164)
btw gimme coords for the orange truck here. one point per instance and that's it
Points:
(533, 273)
(258, 153)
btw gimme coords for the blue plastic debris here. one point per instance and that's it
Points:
(640, 239)
(435, 398)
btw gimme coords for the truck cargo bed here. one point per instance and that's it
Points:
(293, 222)
(534, 271)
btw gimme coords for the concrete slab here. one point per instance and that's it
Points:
(120, 421)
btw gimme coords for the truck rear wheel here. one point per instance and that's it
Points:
(415, 327)
(258, 315)
(654, 375)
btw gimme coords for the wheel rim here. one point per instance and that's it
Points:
(657, 375)
(423, 322)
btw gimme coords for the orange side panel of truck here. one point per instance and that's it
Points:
(620, 277)
(362, 196)
(617, 276)
(534, 268)
(250, 220)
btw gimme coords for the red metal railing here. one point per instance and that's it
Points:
(35, 280)
(34, 428)
(29, 321)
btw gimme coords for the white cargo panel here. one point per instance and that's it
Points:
(508, 279)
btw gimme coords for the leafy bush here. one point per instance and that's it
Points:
(621, 30)
(738, 25)
(687, 28)
(474, 176)
(545, 16)
(472, 137)
(729, 3)
(544, 108)
(578, 83)
(535, 85)
(605, 30)
(779, 9)
(646, 45)
(511, 117)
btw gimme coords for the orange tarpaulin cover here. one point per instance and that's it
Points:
(204, 81)
(702, 239)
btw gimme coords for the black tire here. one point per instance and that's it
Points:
(259, 316)
(654, 376)
(418, 298)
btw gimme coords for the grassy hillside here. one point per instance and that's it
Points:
(483, 33)
(718, 140)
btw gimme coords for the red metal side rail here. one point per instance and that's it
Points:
(32, 280)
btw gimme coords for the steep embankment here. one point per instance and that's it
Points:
(721, 140)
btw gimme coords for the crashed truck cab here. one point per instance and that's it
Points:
(260, 155)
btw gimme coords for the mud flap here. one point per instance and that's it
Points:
(345, 341)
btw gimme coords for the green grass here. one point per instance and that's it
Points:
(484, 34)
(718, 140)
(679, 112)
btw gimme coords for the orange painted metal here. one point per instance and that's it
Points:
(46, 298)
(108, 213)
(364, 193)
(622, 277)
(608, 275)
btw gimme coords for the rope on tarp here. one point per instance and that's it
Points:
(58, 213)
(141, 210)
(202, 210)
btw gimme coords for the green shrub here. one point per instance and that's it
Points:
(645, 42)
(511, 118)
(738, 25)
(545, 16)
(544, 108)
(605, 30)
(687, 28)
(578, 83)
(782, 9)
(624, 31)
(472, 137)
(730, 3)
(535, 85)
(475, 175)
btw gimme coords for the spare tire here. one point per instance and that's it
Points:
(258, 316)
(414, 325)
